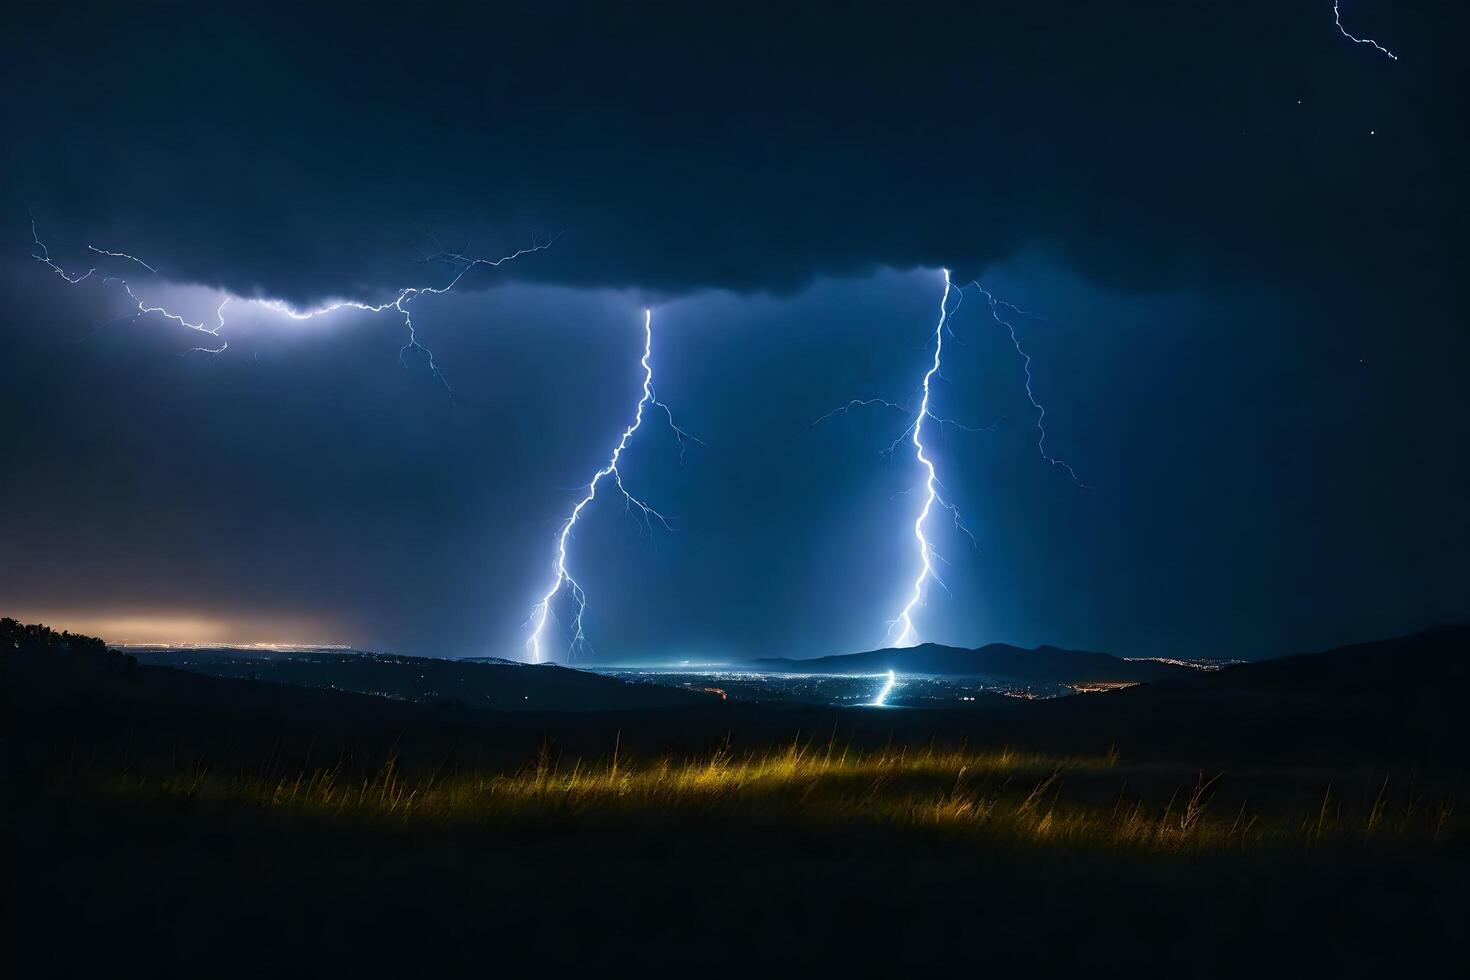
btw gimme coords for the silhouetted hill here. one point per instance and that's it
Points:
(1393, 702)
(119, 783)
(21, 644)
(1433, 661)
(483, 683)
(1045, 664)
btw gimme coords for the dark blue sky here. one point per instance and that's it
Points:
(1243, 242)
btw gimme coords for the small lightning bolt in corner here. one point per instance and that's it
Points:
(995, 307)
(458, 262)
(1337, 18)
(562, 580)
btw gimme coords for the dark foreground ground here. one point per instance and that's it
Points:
(1295, 820)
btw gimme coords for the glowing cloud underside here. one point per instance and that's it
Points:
(562, 580)
(457, 261)
(460, 264)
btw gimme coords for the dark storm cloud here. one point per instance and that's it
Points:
(1244, 232)
(301, 152)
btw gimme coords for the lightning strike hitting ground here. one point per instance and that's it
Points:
(913, 434)
(399, 303)
(1337, 17)
(904, 623)
(885, 690)
(563, 580)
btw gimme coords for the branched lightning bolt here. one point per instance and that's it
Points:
(41, 254)
(913, 435)
(103, 251)
(995, 306)
(562, 580)
(458, 261)
(862, 403)
(904, 623)
(1337, 17)
(219, 313)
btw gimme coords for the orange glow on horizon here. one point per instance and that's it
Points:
(185, 628)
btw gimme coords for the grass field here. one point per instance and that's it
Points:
(976, 798)
(806, 858)
(165, 824)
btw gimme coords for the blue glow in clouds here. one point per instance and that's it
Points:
(457, 261)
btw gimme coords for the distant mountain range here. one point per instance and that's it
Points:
(1389, 702)
(1043, 665)
(1429, 667)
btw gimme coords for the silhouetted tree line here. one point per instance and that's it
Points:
(18, 640)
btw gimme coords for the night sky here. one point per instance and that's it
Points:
(1242, 236)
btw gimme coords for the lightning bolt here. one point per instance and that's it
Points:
(933, 486)
(1337, 18)
(995, 305)
(42, 254)
(400, 304)
(458, 261)
(913, 434)
(885, 690)
(562, 580)
(904, 622)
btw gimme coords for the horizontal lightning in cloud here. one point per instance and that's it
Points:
(459, 262)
